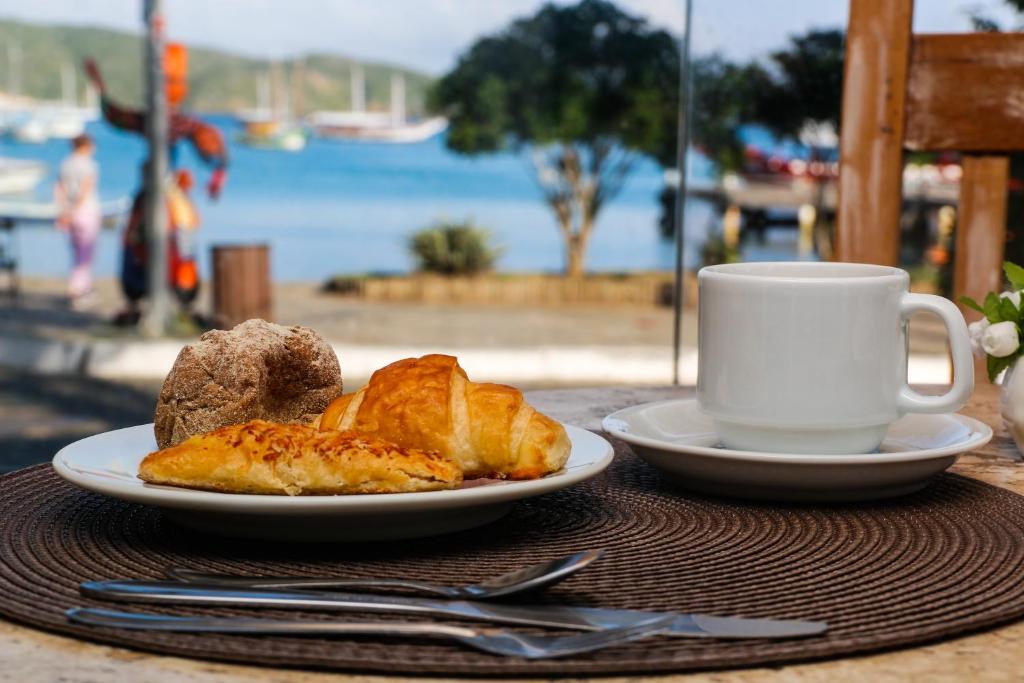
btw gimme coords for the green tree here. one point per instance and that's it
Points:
(800, 84)
(723, 95)
(580, 89)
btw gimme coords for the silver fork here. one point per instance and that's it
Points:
(493, 640)
(530, 578)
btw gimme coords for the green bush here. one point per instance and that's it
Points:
(453, 249)
(344, 284)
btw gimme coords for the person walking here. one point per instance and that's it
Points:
(79, 215)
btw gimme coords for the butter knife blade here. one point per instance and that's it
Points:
(551, 616)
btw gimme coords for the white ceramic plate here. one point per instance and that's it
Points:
(107, 463)
(679, 440)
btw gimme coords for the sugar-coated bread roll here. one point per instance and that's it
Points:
(258, 370)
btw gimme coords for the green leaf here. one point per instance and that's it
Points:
(997, 365)
(991, 307)
(971, 303)
(1015, 274)
(1007, 311)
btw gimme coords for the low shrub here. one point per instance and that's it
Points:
(453, 248)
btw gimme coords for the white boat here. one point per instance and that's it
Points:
(64, 124)
(270, 124)
(66, 120)
(60, 119)
(374, 128)
(271, 134)
(20, 176)
(358, 124)
(30, 131)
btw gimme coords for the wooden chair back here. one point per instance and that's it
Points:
(931, 93)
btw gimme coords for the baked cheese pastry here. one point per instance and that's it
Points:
(430, 403)
(264, 457)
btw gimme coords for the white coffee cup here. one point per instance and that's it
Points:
(812, 357)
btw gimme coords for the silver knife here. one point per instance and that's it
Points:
(551, 616)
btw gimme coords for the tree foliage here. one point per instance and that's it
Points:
(982, 21)
(801, 83)
(722, 95)
(581, 88)
(798, 84)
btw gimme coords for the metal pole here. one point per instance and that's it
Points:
(156, 319)
(680, 206)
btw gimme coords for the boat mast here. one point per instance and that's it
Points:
(298, 84)
(397, 98)
(14, 69)
(357, 85)
(68, 93)
(277, 90)
(263, 94)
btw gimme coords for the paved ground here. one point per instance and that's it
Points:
(40, 414)
(41, 313)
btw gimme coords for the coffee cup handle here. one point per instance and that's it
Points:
(960, 347)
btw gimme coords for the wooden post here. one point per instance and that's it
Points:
(981, 227)
(241, 284)
(878, 43)
(806, 217)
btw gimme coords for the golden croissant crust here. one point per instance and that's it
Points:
(430, 403)
(264, 457)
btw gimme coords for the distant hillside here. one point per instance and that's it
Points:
(218, 81)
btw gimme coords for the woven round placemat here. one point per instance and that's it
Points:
(931, 565)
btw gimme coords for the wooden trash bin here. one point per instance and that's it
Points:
(241, 283)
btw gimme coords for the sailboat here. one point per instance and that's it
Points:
(359, 124)
(67, 120)
(20, 176)
(270, 125)
(62, 120)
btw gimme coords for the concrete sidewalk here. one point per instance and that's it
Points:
(535, 346)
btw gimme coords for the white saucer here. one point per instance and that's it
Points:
(107, 463)
(675, 437)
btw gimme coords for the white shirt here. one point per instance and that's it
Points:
(74, 171)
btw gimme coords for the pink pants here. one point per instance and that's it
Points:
(84, 231)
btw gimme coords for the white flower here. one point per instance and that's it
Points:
(976, 330)
(1014, 298)
(1001, 339)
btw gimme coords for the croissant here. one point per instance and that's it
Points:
(264, 457)
(429, 403)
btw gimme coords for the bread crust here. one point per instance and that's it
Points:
(430, 402)
(280, 459)
(257, 370)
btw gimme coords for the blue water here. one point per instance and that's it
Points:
(346, 207)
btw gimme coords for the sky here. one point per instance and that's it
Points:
(428, 35)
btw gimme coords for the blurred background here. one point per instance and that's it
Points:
(500, 181)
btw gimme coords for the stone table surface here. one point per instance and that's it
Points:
(27, 656)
